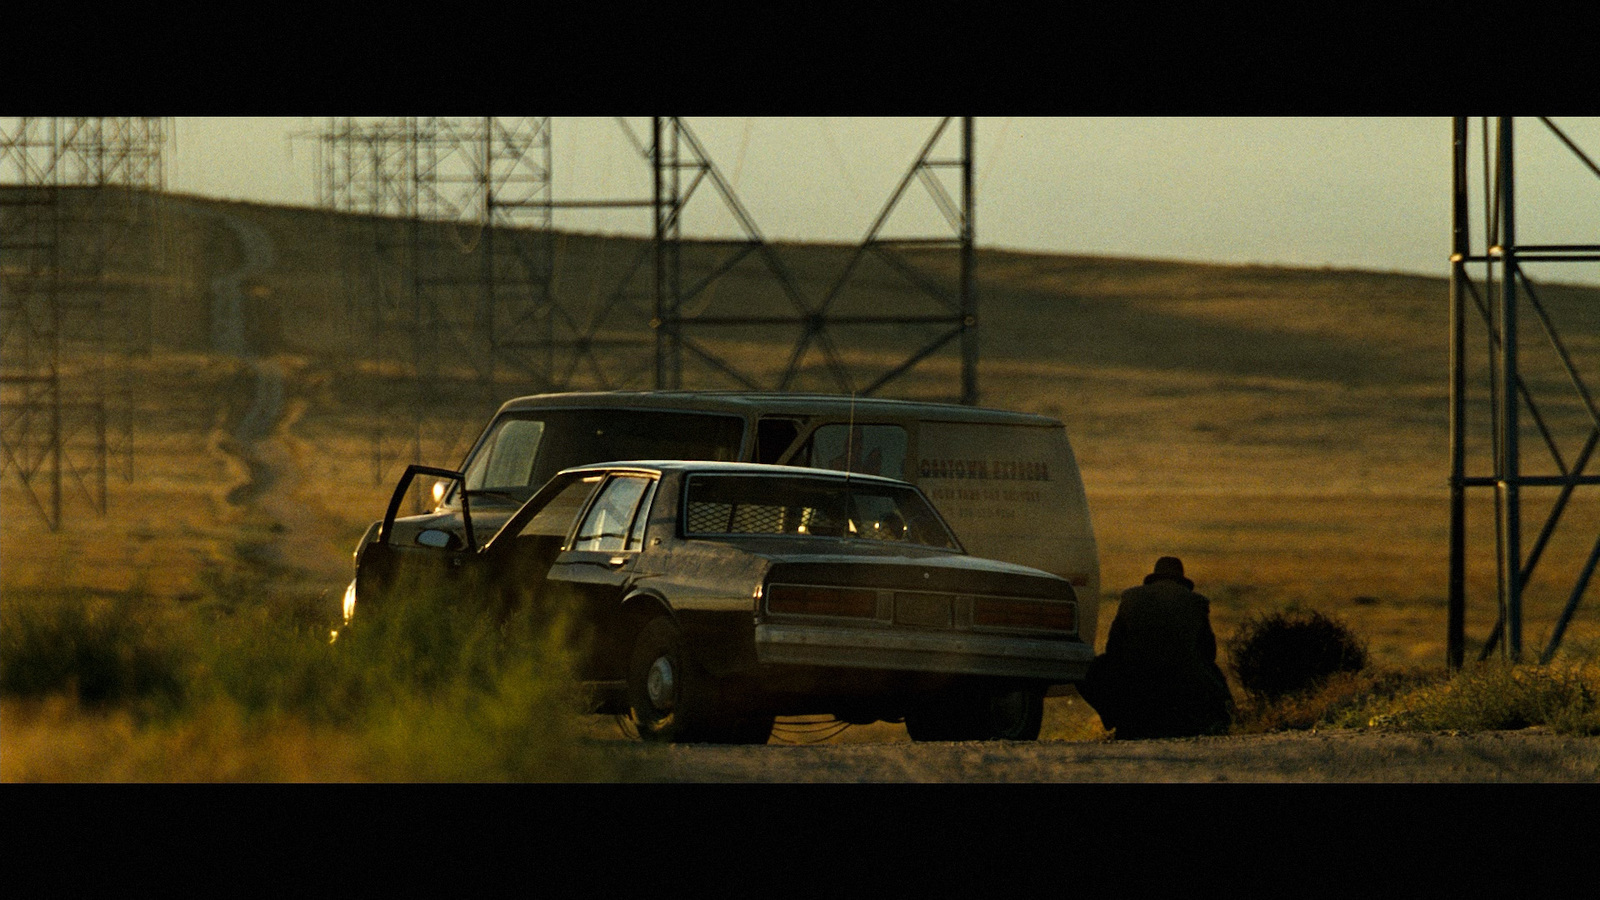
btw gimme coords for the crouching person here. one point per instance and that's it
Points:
(1159, 675)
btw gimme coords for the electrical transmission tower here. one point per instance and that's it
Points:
(77, 218)
(471, 251)
(1518, 398)
(480, 189)
(926, 311)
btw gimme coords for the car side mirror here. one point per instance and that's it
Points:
(444, 540)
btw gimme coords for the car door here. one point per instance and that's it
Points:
(434, 560)
(594, 571)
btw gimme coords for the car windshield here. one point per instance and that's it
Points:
(720, 505)
(524, 450)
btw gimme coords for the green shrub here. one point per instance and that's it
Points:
(423, 689)
(1276, 655)
(421, 644)
(100, 650)
(442, 691)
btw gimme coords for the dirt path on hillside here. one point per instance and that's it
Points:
(229, 330)
(292, 533)
(1530, 755)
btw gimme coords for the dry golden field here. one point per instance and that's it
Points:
(1281, 430)
(1284, 431)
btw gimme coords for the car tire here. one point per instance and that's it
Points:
(672, 699)
(1015, 715)
(973, 714)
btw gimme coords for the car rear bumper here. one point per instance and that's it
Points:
(959, 653)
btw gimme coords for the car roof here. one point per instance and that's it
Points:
(730, 468)
(750, 402)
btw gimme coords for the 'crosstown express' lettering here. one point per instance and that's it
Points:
(984, 469)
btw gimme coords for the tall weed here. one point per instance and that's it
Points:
(1486, 697)
(101, 650)
(423, 689)
(1497, 696)
(1340, 700)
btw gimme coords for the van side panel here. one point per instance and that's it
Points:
(1014, 493)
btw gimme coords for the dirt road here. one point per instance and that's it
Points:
(1530, 755)
(262, 442)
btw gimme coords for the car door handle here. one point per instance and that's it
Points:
(616, 561)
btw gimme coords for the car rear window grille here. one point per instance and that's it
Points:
(752, 518)
(708, 518)
(742, 518)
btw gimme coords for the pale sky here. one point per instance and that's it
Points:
(1362, 193)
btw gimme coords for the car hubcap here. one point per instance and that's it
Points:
(660, 684)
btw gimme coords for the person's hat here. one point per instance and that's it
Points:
(1169, 568)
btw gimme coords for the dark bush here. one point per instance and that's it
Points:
(103, 651)
(1275, 655)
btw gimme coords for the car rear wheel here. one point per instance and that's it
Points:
(671, 699)
(1016, 715)
(975, 714)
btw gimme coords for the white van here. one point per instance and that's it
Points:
(1007, 482)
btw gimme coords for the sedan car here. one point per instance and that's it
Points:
(717, 596)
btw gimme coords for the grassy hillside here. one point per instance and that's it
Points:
(1282, 430)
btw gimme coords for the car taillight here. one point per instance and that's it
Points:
(996, 612)
(811, 600)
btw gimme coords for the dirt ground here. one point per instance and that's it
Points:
(1073, 748)
(1530, 755)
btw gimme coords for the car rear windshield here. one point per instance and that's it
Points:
(524, 450)
(717, 505)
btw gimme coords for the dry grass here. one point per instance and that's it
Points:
(1482, 697)
(55, 740)
(1495, 696)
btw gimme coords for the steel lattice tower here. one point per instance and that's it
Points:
(74, 232)
(1516, 400)
(460, 189)
(403, 167)
(948, 309)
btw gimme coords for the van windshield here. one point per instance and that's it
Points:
(523, 450)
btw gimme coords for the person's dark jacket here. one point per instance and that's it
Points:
(1162, 623)
(1159, 676)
